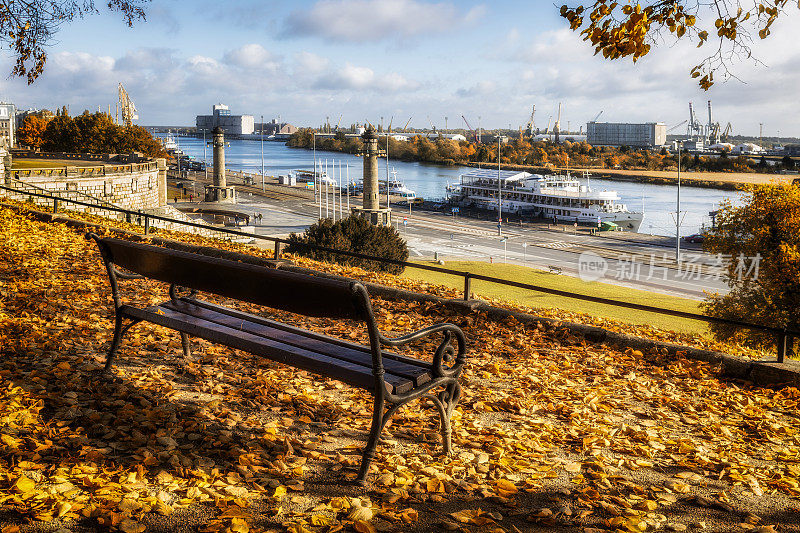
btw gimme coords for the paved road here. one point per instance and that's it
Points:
(630, 260)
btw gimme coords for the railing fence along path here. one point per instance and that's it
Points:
(784, 337)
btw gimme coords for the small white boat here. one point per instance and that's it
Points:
(169, 143)
(396, 187)
(322, 177)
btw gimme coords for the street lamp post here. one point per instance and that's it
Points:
(317, 194)
(524, 251)
(504, 240)
(499, 192)
(678, 212)
(262, 153)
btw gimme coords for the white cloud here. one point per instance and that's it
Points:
(356, 78)
(482, 88)
(203, 65)
(252, 56)
(309, 63)
(394, 82)
(375, 20)
(349, 77)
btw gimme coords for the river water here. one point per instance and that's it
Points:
(430, 181)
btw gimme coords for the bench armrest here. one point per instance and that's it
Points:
(444, 354)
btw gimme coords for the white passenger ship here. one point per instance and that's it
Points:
(561, 198)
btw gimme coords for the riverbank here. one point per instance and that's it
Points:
(727, 181)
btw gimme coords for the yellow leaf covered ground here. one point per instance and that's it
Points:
(552, 433)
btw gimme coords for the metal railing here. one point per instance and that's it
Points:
(784, 337)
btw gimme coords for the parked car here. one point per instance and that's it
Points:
(695, 238)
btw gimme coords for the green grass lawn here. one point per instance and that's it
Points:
(566, 283)
(24, 164)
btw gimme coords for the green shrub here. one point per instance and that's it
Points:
(352, 234)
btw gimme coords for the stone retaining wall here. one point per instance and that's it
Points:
(131, 185)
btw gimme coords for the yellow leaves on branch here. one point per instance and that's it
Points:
(625, 31)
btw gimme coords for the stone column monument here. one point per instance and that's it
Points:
(219, 191)
(371, 206)
(162, 181)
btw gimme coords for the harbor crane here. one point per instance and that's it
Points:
(678, 125)
(726, 134)
(389, 129)
(431, 123)
(557, 126)
(531, 126)
(126, 107)
(597, 116)
(339, 122)
(470, 129)
(405, 128)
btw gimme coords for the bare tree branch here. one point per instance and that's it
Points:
(28, 26)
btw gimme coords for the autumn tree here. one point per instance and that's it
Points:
(31, 130)
(624, 29)
(761, 240)
(96, 133)
(27, 27)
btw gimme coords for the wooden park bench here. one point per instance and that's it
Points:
(392, 378)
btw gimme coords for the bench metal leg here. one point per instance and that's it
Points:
(119, 330)
(378, 421)
(445, 402)
(187, 348)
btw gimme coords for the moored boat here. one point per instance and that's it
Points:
(561, 198)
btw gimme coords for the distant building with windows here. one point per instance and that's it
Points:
(8, 125)
(221, 116)
(648, 135)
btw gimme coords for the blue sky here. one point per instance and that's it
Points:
(363, 59)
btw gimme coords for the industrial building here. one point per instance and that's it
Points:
(221, 117)
(8, 125)
(275, 127)
(647, 135)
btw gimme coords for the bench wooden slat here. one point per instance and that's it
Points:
(291, 291)
(308, 333)
(299, 338)
(406, 367)
(350, 373)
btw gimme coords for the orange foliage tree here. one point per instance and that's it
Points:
(761, 240)
(31, 130)
(96, 133)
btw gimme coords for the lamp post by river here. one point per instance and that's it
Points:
(262, 153)
(678, 212)
(317, 192)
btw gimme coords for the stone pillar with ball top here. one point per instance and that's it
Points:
(219, 191)
(371, 206)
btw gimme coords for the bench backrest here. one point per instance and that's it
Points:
(278, 289)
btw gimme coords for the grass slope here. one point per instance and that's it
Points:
(567, 283)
